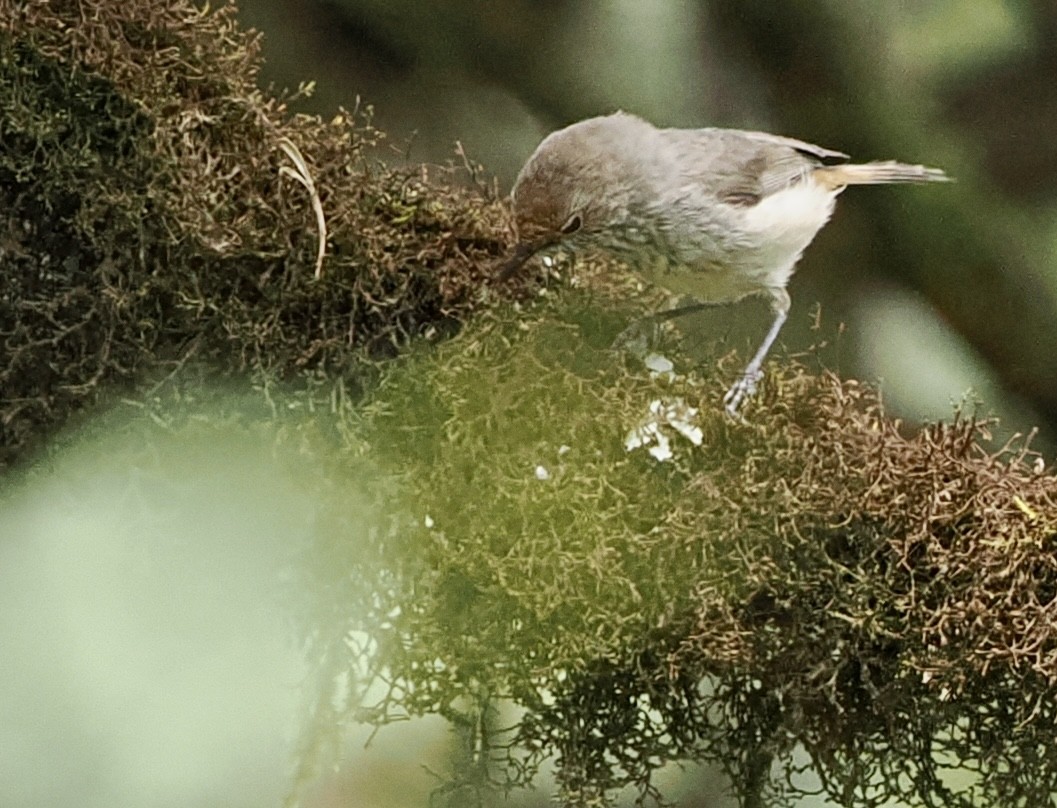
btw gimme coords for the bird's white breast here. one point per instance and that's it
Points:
(725, 252)
(776, 230)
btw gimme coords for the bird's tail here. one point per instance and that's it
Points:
(878, 173)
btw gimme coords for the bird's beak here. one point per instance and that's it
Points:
(522, 253)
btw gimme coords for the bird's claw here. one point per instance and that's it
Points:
(742, 389)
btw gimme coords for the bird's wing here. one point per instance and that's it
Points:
(799, 145)
(742, 167)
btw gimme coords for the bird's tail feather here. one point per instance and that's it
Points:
(877, 173)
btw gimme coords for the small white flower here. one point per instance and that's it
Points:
(564, 450)
(660, 366)
(428, 521)
(663, 415)
(542, 473)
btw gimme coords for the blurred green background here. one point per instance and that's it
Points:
(945, 292)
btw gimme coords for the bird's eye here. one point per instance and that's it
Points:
(573, 224)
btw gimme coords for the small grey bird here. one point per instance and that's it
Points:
(716, 214)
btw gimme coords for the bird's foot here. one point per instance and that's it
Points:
(742, 389)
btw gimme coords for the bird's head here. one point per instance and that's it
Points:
(571, 192)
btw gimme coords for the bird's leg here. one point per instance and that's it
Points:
(638, 337)
(745, 386)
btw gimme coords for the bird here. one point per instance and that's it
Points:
(714, 214)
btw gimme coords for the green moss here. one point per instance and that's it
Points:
(802, 579)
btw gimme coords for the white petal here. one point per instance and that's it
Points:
(663, 450)
(658, 363)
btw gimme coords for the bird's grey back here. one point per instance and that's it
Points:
(740, 167)
(728, 165)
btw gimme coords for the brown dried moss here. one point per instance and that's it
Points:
(149, 215)
(884, 602)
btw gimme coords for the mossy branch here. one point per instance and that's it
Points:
(816, 579)
(143, 219)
